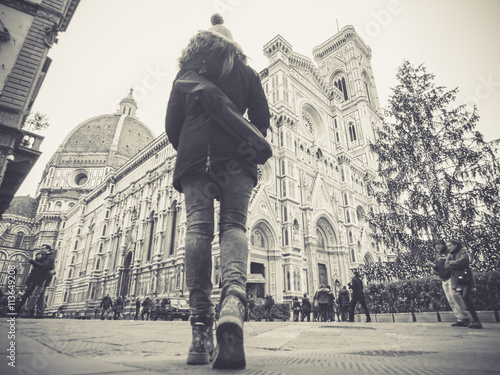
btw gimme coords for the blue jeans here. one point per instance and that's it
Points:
(234, 195)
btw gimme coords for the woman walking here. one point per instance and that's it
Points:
(462, 280)
(210, 165)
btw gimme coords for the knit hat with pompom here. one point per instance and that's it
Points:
(218, 27)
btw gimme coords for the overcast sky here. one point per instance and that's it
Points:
(113, 45)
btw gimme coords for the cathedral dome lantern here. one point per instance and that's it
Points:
(128, 105)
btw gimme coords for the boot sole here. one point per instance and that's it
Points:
(198, 358)
(231, 353)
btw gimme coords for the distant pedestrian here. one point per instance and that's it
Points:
(306, 308)
(251, 307)
(315, 310)
(357, 296)
(296, 309)
(462, 279)
(331, 305)
(268, 305)
(322, 297)
(137, 308)
(118, 309)
(60, 311)
(106, 307)
(146, 308)
(344, 302)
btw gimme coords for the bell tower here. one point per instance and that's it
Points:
(344, 61)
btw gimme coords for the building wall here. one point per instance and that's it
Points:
(32, 27)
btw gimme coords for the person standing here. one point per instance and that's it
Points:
(251, 307)
(137, 308)
(146, 308)
(296, 309)
(306, 308)
(268, 306)
(357, 296)
(41, 279)
(458, 262)
(331, 304)
(322, 298)
(211, 165)
(118, 309)
(106, 306)
(453, 297)
(344, 302)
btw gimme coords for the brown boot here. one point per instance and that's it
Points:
(202, 347)
(230, 350)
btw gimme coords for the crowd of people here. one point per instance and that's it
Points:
(324, 307)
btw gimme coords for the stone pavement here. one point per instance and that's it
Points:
(73, 347)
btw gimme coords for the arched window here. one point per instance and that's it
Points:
(76, 245)
(19, 240)
(58, 206)
(352, 132)
(346, 201)
(285, 237)
(104, 230)
(296, 279)
(353, 255)
(70, 273)
(97, 264)
(100, 247)
(152, 229)
(288, 280)
(339, 82)
(350, 237)
(173, 228)
(348, 216)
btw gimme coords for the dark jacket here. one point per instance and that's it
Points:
(357, 289)
(41, 274)
(296, 305)
(269, 301)
(443, 272)
(147, 303)
(322, 296)
(306, 305)
(344, 299)
(457, 262)
(191, 132)
(107, 302)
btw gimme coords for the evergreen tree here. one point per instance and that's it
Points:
(439, 179)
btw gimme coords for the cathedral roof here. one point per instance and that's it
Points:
(22, 206)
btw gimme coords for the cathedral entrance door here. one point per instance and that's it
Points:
(125, 279)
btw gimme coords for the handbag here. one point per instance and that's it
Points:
(464, 277)
(251, 143)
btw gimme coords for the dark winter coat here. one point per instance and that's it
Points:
(357, 289)
(344, 299)
(306, 305)
(146, 304)
(107, 302)
(296, 305)
(191, 131)
(269, 302)
(41, 273)
(443, 272)
(322, 296)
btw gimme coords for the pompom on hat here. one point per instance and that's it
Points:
(218, 27)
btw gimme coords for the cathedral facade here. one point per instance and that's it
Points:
(106, 201)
